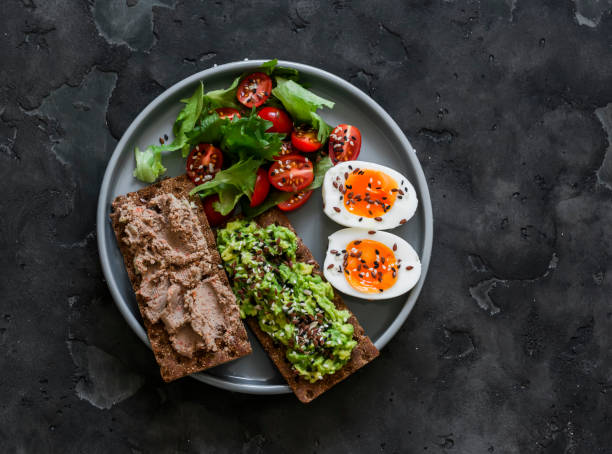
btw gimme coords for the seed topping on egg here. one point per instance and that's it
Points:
(369, 266)
(368, 193)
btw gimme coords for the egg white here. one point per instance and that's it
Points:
(402, 210)
(406, 279)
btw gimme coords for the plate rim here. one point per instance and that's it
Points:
(240, 66)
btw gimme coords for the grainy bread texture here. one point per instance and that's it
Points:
(172, 364)
(364, 351)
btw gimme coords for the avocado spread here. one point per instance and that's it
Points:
(291, 304)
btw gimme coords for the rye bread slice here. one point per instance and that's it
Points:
(172, 364)
(364, 351)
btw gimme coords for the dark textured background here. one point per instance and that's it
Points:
(509, 105)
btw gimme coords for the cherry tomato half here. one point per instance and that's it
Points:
(204, 161)
(286, 150)
(254, 90)
(305, 139)
(227, 112)
(281, 121)
(296, 201)
(291, 174)
(262, 187)
(344, 143)
(214, 217)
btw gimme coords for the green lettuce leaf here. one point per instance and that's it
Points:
(268, 67)
(240, 137)
(186, 120)
(229, 195)
(247, 136)
(302, 104)
(231, 184)
(148, 164)
(224, 97)
(324, 130)
(320, 168)
(209, 130)
(271, 68)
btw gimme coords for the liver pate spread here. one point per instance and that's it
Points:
(178, 281)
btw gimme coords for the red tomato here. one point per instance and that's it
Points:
(227, 112)
(254, 90)
(214, 217)
(281, 121)
(204, 161)
(286, 150)
(262, 187)
(296, 201)
(291, 174)
(305, 139)
(344, 143)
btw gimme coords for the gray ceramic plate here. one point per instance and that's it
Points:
(383, 142)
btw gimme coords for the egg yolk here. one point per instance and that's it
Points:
(369, 193)
(370, 266)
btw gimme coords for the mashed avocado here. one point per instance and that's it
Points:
(291, 304)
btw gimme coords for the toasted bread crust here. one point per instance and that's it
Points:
(172, 364)
(364, 351)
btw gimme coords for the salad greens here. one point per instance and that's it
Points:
(231, 184)
(241, 137)
(271, 68)
(187, 118)
(244, 141)
(148, 164)
(302, 104)
(223, 97)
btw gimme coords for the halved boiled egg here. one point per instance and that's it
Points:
(370, 264)
(367, 195)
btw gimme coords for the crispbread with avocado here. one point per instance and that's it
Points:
(363, 352)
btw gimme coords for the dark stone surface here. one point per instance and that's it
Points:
(508, 103)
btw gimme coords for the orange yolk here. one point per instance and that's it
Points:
(369, 193)
(370, 266)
